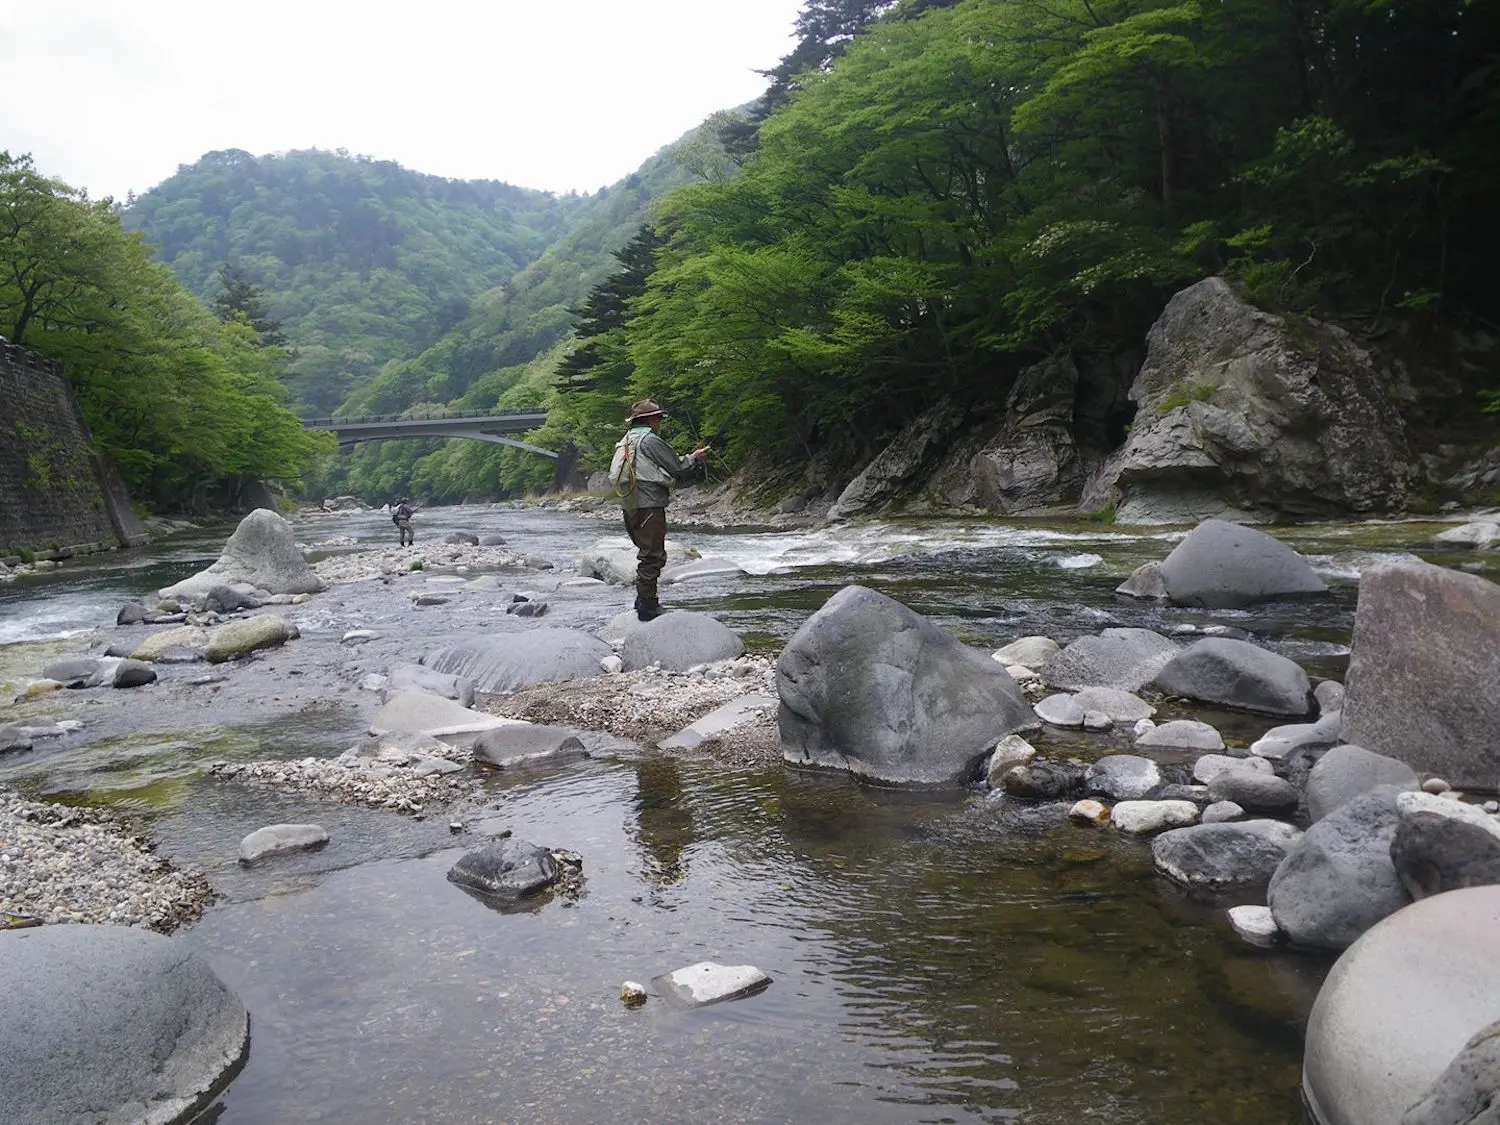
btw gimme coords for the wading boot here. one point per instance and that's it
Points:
(648, 610)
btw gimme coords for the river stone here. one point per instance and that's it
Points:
(1423, 670)
(431, 714)
(612, 560)
(1182, 734)
(1238, 674)
(461, 539)
(434, 767)
(1339, 879)
(1124, 659)
(678, 641)
(1120, 706)
(708, 983)
(1280, 743)
(1122, 777)
(1029, 652)
(111, 1024)
(261, 553)
(1480, 533)
(275, 839)
(512, 661)
(737, 713)
(1139, 818)
(1198, 794)
(870, 686)
(238, 638)
(133, 673)
(1222, 812)
(1089, 811)
(132, 613)
(1346, 772)
(1434, 854)
(1254, 790)
(1060, 710)
(1330, 696)
(153, 647)
(1037, 780)
(414, 677)
(507, 869)
(77, 671)
(1255, 924)
(1012, 750)
(1144, 582)
(1097, 721)
(1224, 565)
(1208, 767)
(1399, 1005)
(1223, 855)
(1466, 1092)
(224, 598)
(698, 569)
(526, 744)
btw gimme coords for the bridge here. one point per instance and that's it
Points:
(441, 424)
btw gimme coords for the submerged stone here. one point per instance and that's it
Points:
(710, 983)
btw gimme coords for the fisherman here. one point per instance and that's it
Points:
(643, 471)
(401, 516)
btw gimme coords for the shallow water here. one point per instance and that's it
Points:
(934, 959)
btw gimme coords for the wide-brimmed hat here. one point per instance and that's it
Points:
(646, 408)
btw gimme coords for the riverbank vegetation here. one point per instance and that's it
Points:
(187, 404)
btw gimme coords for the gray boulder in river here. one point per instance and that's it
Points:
(1423, 671)
(1465, 1093)
(1239, 410)
(511, 661)
(678, 640)
(1339, 879)
(868, 685)
(1123, 659)
(111, 1024)
(507, 870)
(262, 553)
(1224, 565)
(1238, 674)
(1396, 1010)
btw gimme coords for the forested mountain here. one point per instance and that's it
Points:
(953, 190)
(187, 405)
(362, 261)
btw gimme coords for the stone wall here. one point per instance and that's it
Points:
(55, 492)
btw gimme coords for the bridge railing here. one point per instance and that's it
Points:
(423, 416)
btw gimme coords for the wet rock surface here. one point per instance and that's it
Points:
(507, 870)
(1224, 565)
(1220, 855)
(1238, 674)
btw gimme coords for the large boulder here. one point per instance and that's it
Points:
(239, 638)
(1221, 855)
(1339, 880)
(512, 661)
(414, 677)
(678, 640)
(1228, 566)
(1443, 845)
(610, 560)
(902, 464)
(1397, 1008)
(1124, 659)
(870, 686)
(1238, 674)
(1347, 772)
(1239, 411)
(1423, 670)
(111, 1024)
(1465, 1093)
(263, 553)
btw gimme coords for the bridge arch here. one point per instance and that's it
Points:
(491, 427)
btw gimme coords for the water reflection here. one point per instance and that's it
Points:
(664, 828)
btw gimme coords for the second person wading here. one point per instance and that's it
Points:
(643, 471)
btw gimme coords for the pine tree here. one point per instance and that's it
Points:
(239, 299)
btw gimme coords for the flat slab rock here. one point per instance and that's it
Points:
(111, 1024)
(523, 744)
(431, 714)
(709, 983)
(731, 716)
(276, 839)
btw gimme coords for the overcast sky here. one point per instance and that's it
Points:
(555, 94)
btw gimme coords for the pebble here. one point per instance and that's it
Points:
(1097, 720)
(611, 664)
(632, 995)
(1141, 817)
(1221, 812)
(1089, 811)
(1435, 785)
(1492, 806)
(359, 636)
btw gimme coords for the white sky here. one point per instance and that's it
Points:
(554, 94)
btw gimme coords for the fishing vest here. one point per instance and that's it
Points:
(626, 470)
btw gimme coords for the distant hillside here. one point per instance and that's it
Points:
(362, 261)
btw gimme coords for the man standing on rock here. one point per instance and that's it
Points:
(401, 515)
(643, 471)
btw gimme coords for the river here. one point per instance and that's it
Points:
(935, 958)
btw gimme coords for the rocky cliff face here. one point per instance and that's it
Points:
(1240, 412)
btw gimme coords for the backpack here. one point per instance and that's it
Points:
(622, 465)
